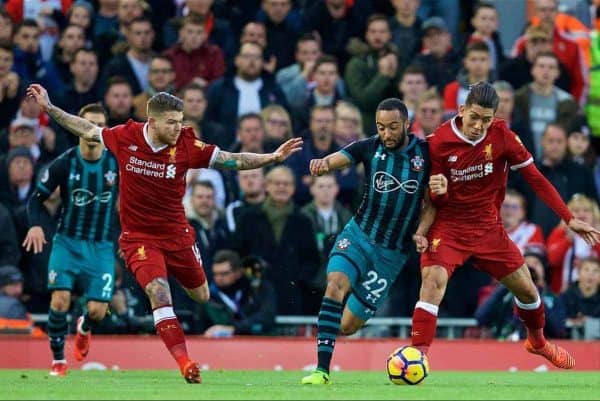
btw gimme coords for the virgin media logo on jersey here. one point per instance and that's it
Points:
(150, 168)
(384, 182)
(472, 172)
(82, 197)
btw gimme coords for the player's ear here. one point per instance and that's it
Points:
(461, 110)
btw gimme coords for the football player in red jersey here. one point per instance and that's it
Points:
(470, 156)
(156, 238)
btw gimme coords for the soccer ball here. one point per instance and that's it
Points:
(407, 365)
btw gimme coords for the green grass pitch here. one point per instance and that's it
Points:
(270, 385)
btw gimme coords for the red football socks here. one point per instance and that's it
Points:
(534, 320)
(171, 333)
(423, 329)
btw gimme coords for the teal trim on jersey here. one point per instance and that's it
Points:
(348, 155)
(371, 196)
(112, 165)
(69, 207)
(95, 166)
(85, 175)
(43, 188)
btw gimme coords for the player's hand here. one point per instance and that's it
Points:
(34, 239)
(421, 242)
(40, 95)
(287, 148)
(438, 184)
(590, 234)
(319, 167)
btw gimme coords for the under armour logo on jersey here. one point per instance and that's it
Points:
(74, 176)
(326, 341)
(381, 156)
(171, 171)
(452, 159)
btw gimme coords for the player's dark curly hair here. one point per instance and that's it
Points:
(483, 94)
(393, 103)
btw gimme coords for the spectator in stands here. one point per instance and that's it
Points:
(134, 64)
(328, 218)
(405, 26)
(28, 62)
(497, 312)
(106, 19)
(81, 13)
(373, 71)
(118, 100)
(71, 39)
(485, 29)
(19, 165)
(579, 144)
(83, 88)
(161, 79)
(348, 124)
(517, 70)
(252, 189)
(324, 92)
(11, 85)
(412, 85)
(336, 21)
(11, 291)
(248, 91)
(194, 107)
(294, 79)
(429, 113)
(256, 32)
(566, 250)
(6, 27)
(438, 59)
(541, 102)
(278, 125)
(195, 59)
(568, 52)
(477, 67)
(22, 132)
(114, 40)
(250, 134)
(218, 30)
(10, 251)
(566, 176)
(268, 230)
(282, 24)
(240, 302)
(203, 215)
(582, 298)
(523, 233)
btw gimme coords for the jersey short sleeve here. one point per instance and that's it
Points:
(357, 150)
(201, 154)
(53, 175)
(110, 137)
(516, 153)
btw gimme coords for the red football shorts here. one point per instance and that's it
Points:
(147, 261)
(491, 251)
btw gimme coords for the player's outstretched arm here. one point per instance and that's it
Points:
(77, 125)
(590, 234)
(332, 162)
(249, 161)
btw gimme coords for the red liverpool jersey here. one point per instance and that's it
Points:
(476, 171)
(152, 182)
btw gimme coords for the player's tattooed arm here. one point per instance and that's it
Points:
(242, 161)
(248, 161)
(75, 124)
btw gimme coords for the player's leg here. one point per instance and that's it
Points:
(96, 311)
(57, 328)
(530, 309)
(199, 294)
(97, 271)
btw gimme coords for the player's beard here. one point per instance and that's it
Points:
(400, 142)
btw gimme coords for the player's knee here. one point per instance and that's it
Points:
(204, 295)
(158, 292)
(337, 286)
(97, 312)
(435, 279)
(348, 329)
(60, 301)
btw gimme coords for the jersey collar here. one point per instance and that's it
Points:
(461, 136)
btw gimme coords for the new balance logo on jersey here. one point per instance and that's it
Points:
(452, 159)
(133, 148)
(171, 171)
(381, 156)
